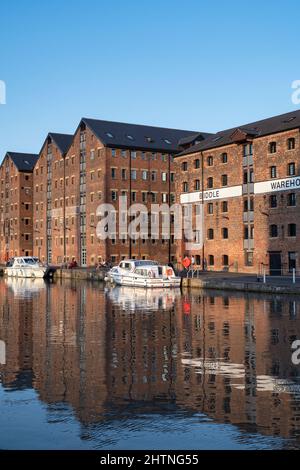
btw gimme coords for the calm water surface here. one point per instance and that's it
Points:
(94, 368)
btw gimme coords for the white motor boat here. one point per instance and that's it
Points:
(143, 273)
(28, 266)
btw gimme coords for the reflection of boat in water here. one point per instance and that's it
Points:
(28, 266)
(237, 373)
(132, 299)
(143, 273)
(25, 287)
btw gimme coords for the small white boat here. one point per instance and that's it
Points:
(143, 273)
(28, 266)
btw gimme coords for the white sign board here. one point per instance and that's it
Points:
(211, 194)
(287, 184)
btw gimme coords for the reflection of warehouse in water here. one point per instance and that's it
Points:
(94, 352)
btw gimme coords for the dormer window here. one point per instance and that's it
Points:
(130, 137)
(149, 139)
(108, 134)
(167, 141)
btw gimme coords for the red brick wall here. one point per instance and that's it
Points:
(15, 211)
(283, 215)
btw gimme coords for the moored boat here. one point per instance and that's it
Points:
(29, 267)
(143, 273)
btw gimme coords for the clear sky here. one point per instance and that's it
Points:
(190, 64)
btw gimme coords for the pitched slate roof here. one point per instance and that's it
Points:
(194, 137)
(118, 134)
(23, 161)
(63, 141)
(273, 125)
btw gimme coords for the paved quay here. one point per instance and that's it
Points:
(243, 282)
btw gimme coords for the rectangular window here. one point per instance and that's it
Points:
(197, 185)
(291, 169)
(210, 233)
(185, 187)
(273, 201)
(224, 180)
(292, 199)
(273, 171)
(144, 175)
(113, 173)
(133, 174)
(224, 157)
(210, 208)
(224, 206)
(273, 231)
(248, 150)
(291, 143)
(210, 182)
(272, 147)
(225, 232)
(292, 230)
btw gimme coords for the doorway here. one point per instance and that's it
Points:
(275, 263)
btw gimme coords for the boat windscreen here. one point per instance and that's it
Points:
(29, 261)
(145, 263)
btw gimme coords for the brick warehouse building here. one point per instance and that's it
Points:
(16, 183)
(48, 197)
(102, 161)
(248, 179)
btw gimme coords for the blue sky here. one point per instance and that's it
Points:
(184, 64)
